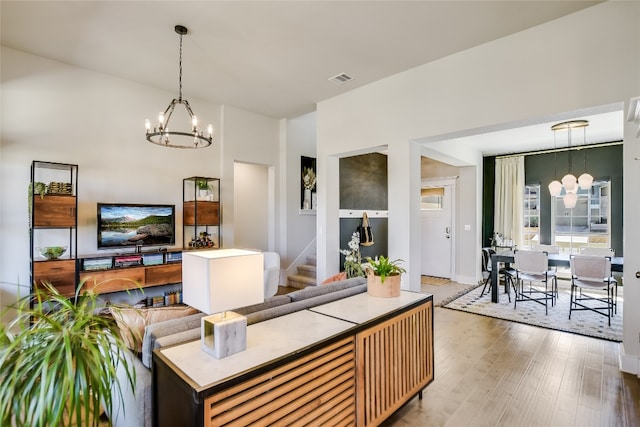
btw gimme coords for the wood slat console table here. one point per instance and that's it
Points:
(351, 362)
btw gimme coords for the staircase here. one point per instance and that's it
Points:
(306, 275)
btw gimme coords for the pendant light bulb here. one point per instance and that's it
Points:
(585, 180)
(569, 182)
(570, 200)
(555, 187)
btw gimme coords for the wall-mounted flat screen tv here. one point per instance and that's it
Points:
(123, 225)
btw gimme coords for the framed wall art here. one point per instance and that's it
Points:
(307, 183)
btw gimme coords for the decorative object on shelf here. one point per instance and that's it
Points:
(366, 234)
(201, 213)
(308, 165)
(161, 135)
(64, 188)
(353, 260)
(383, 276)
(52, 252)
(204, 189)
(499, 241)
(569, 182)
(215, 282)
(58, 361)
(35, 188)
(97, 264)
(202, 241)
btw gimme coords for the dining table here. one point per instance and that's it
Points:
(555, 260)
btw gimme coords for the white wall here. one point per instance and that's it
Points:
(468, 269)
(248, 138)
(630, 349)
(583, 60)
(54, 112)
(300, 140)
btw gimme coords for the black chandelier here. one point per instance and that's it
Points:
(161, 135)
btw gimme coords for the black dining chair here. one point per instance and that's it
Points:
(505, 274)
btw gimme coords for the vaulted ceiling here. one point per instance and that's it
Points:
(271, 57)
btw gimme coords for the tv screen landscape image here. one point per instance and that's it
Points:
(131, 225)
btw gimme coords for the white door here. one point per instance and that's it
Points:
(437, 232)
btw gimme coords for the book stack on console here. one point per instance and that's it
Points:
(127, 260)
(157, 301)
(153, 259)
(168, 298)
(174, 256)
(94, 264)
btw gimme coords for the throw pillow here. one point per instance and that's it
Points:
(336, 278)
(132, 321)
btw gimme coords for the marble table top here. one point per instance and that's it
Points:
(281, 336)
(363, 308)
(266, 341)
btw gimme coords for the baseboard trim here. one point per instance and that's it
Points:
(465, 280)
(628, 362)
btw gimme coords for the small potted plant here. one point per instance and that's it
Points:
(203, 188)
(383, 276)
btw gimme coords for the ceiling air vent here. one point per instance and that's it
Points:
(341, 78)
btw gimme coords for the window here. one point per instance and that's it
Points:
(531, 223)
(431, 199)
(586, 225)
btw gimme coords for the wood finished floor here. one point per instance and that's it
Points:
(491, 372)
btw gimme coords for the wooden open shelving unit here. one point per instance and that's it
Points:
(201, 213)
(53, 222)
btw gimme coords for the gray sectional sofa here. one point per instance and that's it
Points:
(134, 408)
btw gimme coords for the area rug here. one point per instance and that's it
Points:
(433, 281)
(582, 322)
(444, 294)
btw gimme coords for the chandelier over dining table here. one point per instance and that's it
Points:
(569, 182)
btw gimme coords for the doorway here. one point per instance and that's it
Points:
(251, 206)
(437, 227)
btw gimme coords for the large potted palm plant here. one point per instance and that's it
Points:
(58, 361)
